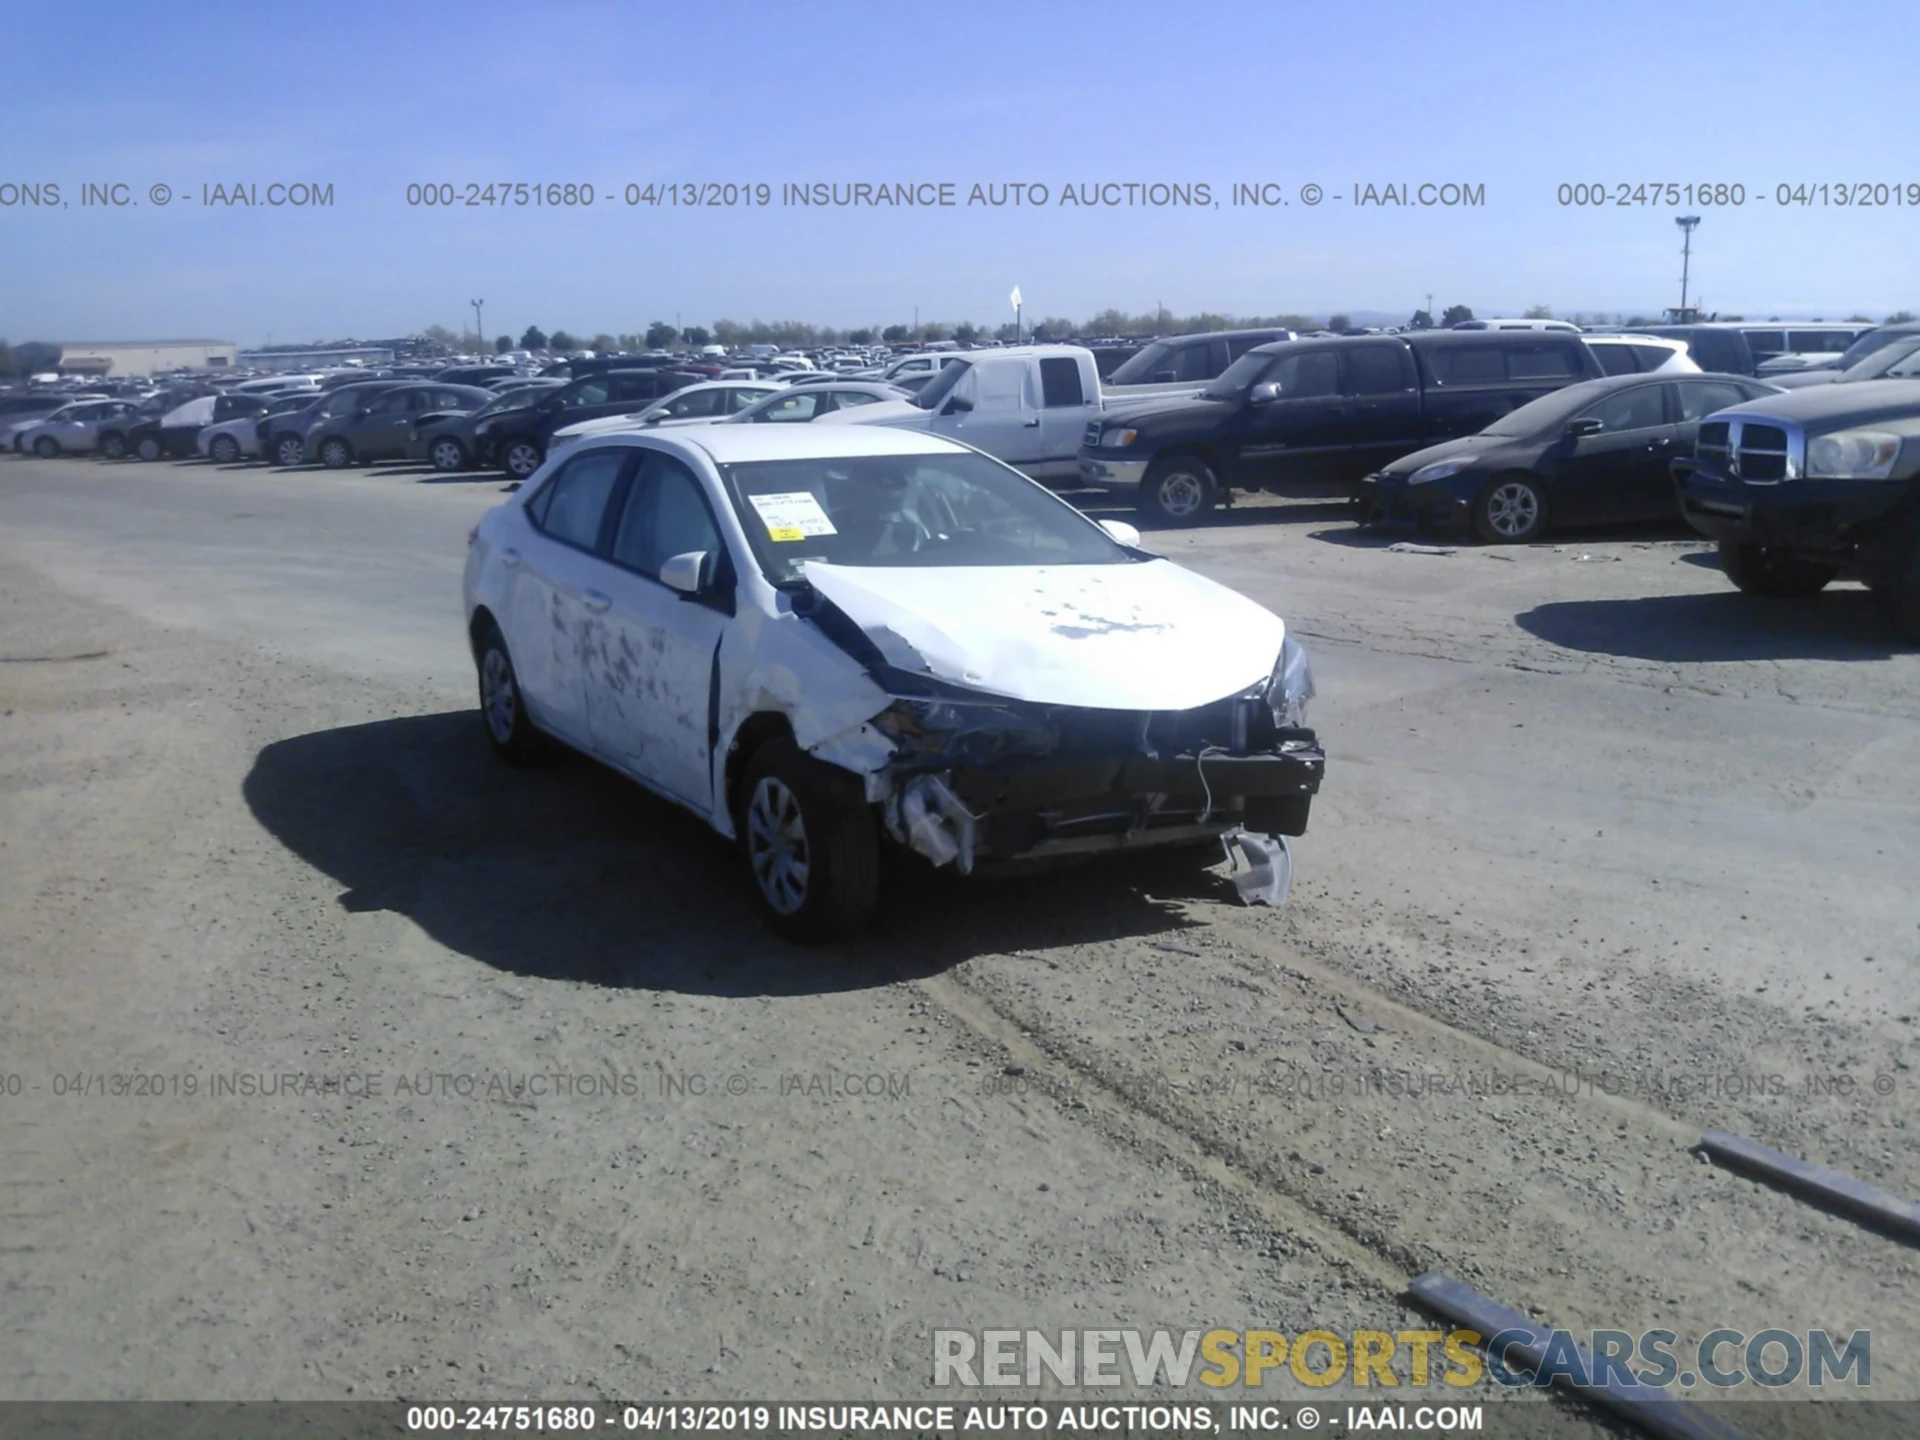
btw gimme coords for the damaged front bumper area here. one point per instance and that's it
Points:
(982, 783)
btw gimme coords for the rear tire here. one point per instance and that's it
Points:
(503, 711)
(1773, 571)
(47, 448)
(810, 844)
(447, 455)
(113, 446)
(224, 450)
(1180, 490)
(150, 448)
(287, 451)
(335, 453)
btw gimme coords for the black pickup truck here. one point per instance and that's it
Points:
(1802, 487)
(1313, 416)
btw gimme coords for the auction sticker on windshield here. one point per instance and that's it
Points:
(793, 515)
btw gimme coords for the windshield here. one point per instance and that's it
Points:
(1139, 368)
(1549, 412)
(908, 510)
(936, 390)
(1234, 381)
(1896, 361)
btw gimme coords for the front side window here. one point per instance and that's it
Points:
(795, 409)
(587, 392)
(571, 506)
(738, 400)
(853, 399)
(1309, 375)
(908, 511)
(1637, 408)
(666, 515)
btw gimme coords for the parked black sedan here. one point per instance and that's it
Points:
(1595, 453)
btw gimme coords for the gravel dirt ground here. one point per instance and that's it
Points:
(1608, 855)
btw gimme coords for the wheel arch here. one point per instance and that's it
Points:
(755, 731)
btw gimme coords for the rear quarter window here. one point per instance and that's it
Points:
(1542, 362)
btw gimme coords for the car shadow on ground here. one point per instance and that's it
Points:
(1838, 624)
(572, 872)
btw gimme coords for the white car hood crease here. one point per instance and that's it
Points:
(1143, 636)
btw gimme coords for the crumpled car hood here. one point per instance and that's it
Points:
(1142, 636)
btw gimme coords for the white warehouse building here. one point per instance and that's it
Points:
(145, 357)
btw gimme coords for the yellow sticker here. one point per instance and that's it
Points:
(786, 532)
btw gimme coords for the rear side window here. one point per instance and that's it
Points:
(1238, 345)
(571, 506)
(1619, 359)
(1377, 370)
(1541, 362)
(1060, 383)
(1652, 357)
(1468, 364)
(1705, 397)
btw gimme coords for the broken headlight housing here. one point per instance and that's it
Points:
(1290, 686)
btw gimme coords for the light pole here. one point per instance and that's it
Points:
(479, 328)
(1686, 224)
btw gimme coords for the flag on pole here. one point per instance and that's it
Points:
(1015, 297)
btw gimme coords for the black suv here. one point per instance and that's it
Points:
(516, 440)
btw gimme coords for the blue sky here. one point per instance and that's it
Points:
(371, 97)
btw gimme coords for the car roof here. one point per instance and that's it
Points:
(741, 444)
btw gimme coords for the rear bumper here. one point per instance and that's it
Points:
(1815, 517)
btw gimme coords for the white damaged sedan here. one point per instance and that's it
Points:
(824, 640)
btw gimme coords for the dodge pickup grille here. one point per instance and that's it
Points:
(1092, 440)
(1750, 449)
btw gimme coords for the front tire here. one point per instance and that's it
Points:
(503, 711)
(1180, 490)
(1510, 511)
(520, 457)
(288, 451)
(810, 843)
(1773, 571)
(336, 454)
(224, 450)
(150, 447)
(113, 445)
(47, 448)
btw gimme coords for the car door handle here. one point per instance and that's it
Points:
(509, 557)
(594, 600)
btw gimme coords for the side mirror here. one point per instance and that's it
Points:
(1585, 425)
(957, 406)
(686, 573)
(1265, 393)
(1121, 533)
(652, 419)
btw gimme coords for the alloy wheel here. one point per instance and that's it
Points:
(777, 845)
(498, 700)
(1513, 509)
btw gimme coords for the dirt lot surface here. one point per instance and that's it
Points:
(472, 1083)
